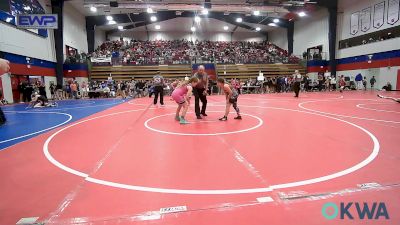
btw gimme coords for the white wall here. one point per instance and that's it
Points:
(7, 88)
(99, 37)
(311, 31)
(382, 75)
(167, 35)
(278, 36)
(381, 46)
(313, 76)
(346, 8)
(26, 43)
(81, 80)
(74, 28)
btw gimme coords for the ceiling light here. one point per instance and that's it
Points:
(120, 27)
(150, 10)
(302, 14)
(112, 22)
(27, 8)
(204, 11)
(272, 24)
(256, 13)
(239, 20)
(153, 18)
(109, 18)
(193, 29)
(258, 29)
(9, 19)
(93, 9)
(226, 27)
(276, 20)
(197, 19)
(157, 27)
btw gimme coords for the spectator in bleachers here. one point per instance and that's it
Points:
(184, 51)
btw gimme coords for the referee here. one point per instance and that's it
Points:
(200, 92)
(296, 86)
(4, 68)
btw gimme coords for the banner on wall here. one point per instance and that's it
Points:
(37, 21)
(209, 68)
(365, 18)
(379, 11)
(101, 60)
(393, 11)
(354, 19)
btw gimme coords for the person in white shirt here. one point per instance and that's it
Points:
(4, 68)
(327, 74)
(333, 83)
(328, 83)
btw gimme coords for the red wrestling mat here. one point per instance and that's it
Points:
(279, 165)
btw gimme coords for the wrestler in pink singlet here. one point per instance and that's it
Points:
(178, 95)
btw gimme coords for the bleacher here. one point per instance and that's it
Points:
(242, 71)
(139, 72)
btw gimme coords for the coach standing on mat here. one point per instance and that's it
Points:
(297, 79)
(200, 92)
(4, 68)
(158, 88)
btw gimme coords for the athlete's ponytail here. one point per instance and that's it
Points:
(186, 82)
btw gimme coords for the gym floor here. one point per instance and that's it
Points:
(115, 162)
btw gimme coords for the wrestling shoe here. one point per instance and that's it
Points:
(223, 118)
(238, 118)
(183, 121)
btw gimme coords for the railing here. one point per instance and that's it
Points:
(316, 56)
(76, 59)
(377, 36)
(119, 61)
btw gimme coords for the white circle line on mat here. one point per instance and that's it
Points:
(361, 106)
(301, 105)
(146, 124)
(363, 163)
(40, 131)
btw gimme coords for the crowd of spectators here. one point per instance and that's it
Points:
(72, 89)
(76, 58)
(313, 56)
(124, 89)
(27, 88)
(186, 52)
